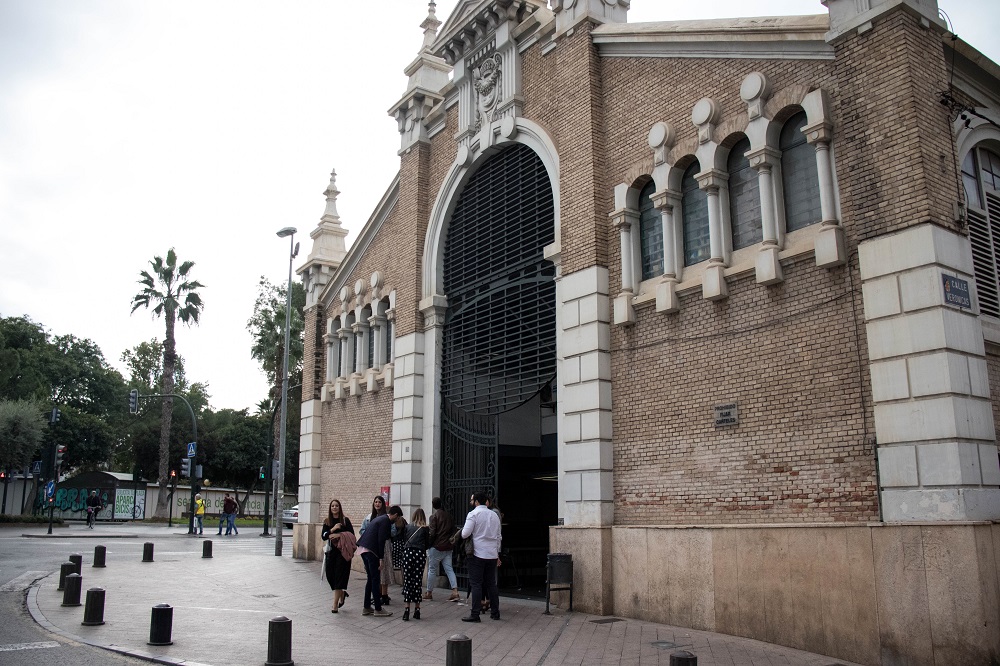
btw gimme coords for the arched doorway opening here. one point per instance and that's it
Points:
(498, 363)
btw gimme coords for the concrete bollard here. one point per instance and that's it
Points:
(161, 622)
(71, 595)
(458, 651)
(65, 569)
(100, 553)
(77, 559)
(93, 612)
(279, 642)
(206, 549)
(147, 552)
(683, 658)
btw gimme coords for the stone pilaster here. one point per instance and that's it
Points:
(937, 448)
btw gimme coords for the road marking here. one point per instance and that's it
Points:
(28, 646)
(22, 581)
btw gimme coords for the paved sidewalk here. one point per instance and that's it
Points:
(222, 606)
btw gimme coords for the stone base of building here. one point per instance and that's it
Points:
(875, 594)
(306, 541)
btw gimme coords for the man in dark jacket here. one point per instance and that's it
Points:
(371, 547)
(442, 528)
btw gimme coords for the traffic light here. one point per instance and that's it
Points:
(186, 467)
(133, 401)
(261, 476)
(54, 416)
(60, 455)
(173, 475)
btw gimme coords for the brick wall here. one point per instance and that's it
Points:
(313, 356)
(993, 367)
(894, 148)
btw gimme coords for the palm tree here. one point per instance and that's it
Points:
(169, 292)
(267, 326)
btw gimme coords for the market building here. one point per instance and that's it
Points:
(714, 306)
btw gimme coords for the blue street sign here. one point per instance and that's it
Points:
(50, 488)
(36, 467)
(192, 449)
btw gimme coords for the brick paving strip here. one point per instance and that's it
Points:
(221, 608)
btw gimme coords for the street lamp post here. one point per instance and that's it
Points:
(279, 477)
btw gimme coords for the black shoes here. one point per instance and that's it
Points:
(494, 617)
(406, 615)
(385, 599)
(416, 614)
(471, 618)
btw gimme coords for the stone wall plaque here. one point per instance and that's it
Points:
(956, 291)
(726, 415)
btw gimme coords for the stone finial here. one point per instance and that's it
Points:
(331, 192)
(430, 26)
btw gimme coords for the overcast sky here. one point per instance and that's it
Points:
(128, 127)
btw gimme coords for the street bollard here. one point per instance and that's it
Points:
(100, 552)
(458, 651)
(279, 642)
(206, 549)
(161, 622)
(77, 559)
(93, 612)
(65, 569)
(683, 658)
(147, 552)
(71, 595)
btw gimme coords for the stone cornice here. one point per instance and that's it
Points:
(779, 37)
(472, 22)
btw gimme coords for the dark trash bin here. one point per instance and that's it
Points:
(559, 576)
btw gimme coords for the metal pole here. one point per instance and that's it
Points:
(279, 481)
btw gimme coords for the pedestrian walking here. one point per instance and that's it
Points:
(338, 532)
(415, 544)
(483, 526)
(229, 510)
(441, 529)
(94, 505)
(378, 508)
(199, 514)
(371, 547)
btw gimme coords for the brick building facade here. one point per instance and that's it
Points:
(772, 411)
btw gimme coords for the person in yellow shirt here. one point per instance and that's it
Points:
(199, 513)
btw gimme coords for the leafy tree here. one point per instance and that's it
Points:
(145, 366)
(24, 357)
(22, 427)
(236, 447)
(268, 329)
(173, 296)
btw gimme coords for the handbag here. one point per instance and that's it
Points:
(455, 538)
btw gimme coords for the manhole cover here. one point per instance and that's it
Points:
(665, 645)
(608, 620)
(265, 596)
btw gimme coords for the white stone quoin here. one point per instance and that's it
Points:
(937, 450)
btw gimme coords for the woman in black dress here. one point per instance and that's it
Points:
(415, 544)
(338, 569)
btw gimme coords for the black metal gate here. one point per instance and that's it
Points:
(499, 334)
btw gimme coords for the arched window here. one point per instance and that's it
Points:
(694, 202)
(650, 234)
(982, 191)
(744, 197)
(333, 351)
(798, 175)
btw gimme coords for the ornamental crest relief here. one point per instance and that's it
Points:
(486, 79)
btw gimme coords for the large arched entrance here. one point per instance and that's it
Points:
(498, 364)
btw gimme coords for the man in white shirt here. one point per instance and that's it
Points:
(483, 526)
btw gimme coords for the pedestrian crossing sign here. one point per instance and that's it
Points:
(192, 449)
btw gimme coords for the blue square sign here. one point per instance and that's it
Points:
(192, 449)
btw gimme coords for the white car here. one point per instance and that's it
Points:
(290, 516)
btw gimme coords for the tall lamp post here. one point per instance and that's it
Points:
(279, 477)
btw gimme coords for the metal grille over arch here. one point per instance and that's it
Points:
(499, 343)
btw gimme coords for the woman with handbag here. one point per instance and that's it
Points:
(340, 546)
(416, 542)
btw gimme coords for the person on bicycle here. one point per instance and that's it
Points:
(93, 506)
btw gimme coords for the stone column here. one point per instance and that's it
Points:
(304, 541)
(666, 291)
(830, 246)
(768, 267)
(937, 450)
(714, 281)
(625, 219)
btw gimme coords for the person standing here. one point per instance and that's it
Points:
(378, 508)
(371, 546)
(199, 514)
(338, 532)
(94, 505)
(483, 526)
(229, 509)
(441, 529)
(415, 544)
